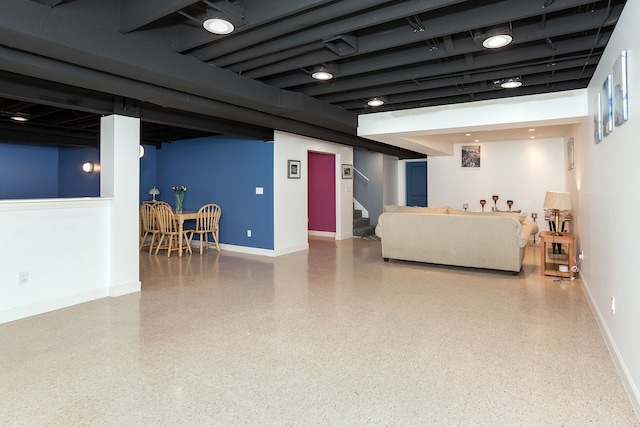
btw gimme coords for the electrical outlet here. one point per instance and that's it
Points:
(248, 233)
(23, 278)
(613, 304)
(581, 256)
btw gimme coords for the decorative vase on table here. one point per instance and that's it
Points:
(179, 191)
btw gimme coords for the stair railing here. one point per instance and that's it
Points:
(361, 174)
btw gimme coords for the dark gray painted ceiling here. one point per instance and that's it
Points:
(66, 62)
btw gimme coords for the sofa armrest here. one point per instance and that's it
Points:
(528, 229)
(379, 227)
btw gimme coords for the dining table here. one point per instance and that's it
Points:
(181, 218)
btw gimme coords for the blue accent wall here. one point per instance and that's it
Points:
(28, 172)
(73, 181)
(148, 172)
(226, 171)
(222, 170)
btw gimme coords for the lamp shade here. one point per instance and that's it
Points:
(557, 200)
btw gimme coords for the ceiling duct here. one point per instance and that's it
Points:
(342, 45)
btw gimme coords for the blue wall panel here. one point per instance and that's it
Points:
(148, 172)
(73, 181)
(226, 171)
(28, 172)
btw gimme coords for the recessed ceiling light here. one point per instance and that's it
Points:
(477, 140)
(531, 130)
(218, 26)
(509, 83)
(467, 134)
(16, 117)
(497, 41)
(532, 137)
(375, 102)
(322, 73)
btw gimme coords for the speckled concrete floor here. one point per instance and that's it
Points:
(332, 336)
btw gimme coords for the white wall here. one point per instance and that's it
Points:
(605, 180)
(521, 171)
(390, 190)
(74, 250)
(64, 247)
(291, 195)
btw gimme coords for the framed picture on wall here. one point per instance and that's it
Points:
(293, 169)
(597, 118)
(620, 101)
(607, 107)
(347, 172)
(470, 156)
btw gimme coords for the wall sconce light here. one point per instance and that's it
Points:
(140, 151)
(87, 167)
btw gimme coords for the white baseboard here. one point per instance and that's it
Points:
(245, 250)
(41, 307)
(322, 233)
(630, 386)
(125, 289)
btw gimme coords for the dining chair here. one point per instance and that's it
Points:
(148, 225)
(207, 222)
(168, 230)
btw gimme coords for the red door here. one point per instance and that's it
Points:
(322, 192)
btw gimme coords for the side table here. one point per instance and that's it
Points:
(551, 259)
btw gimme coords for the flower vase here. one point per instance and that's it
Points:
(179, 200)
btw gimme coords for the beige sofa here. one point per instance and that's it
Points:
(492, 240)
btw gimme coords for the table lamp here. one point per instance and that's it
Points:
(154, 192)
(557, 201)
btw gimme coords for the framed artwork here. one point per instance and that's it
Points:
(347, 172)
(470, 156)
(607, 110)
(570, 153)
(597, 119)
(293, 169)
(620, 95)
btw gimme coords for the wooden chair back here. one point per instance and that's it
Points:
(148, 217)
(166, 220)
(208, 218)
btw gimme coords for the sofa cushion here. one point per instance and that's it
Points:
(415, 209)
(519, 216)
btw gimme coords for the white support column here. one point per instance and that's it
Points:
(119, 178)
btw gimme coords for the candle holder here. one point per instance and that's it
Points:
(495, 202)
(482, 203)
(509, 203)
(465, 206)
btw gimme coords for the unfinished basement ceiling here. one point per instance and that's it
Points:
(153, 59)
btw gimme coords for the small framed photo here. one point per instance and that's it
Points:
(347, 172)
(470, 156)
(620, 96)
(293, 169)
(607, 106)
(597, 118)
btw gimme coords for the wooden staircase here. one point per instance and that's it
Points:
(361, 226)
